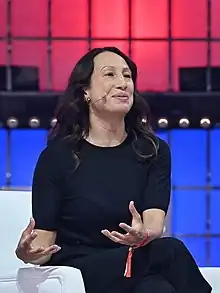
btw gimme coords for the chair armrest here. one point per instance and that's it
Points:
(212, 275)
(48, 279)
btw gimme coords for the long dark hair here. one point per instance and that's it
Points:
(72, 113)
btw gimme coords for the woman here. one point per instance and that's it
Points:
(101, 188)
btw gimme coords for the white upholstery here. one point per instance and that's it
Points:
(15, 277)
(42, 280)
(212, 275)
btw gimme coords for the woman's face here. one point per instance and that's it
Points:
(111, 88)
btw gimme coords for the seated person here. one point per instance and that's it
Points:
(101, 188)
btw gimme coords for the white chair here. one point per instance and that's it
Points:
(212, 275)
(16, 277)
(42, 280)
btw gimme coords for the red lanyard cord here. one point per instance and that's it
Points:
(127, 272)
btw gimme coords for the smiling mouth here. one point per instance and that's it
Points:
(125, 98)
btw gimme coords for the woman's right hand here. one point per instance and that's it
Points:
(30, 253)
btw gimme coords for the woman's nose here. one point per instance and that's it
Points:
(121, 83)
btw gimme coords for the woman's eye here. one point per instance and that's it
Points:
(110, 74)
(127, 75)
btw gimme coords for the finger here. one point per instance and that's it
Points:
(37, 250)
(111, 237)
(29, 239)
(133, 211)
(128, 229)
(51, 249)
(120, 236)
(41, 251)
(30, 227)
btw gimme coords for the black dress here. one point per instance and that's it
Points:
(79, 204)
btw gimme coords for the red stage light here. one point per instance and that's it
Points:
(215, 13)
(29, 18)
(149, 19)
(152, 62)
(189, 18)
(65, 54)
(110, 19)
(215, 56)
(2, 53)
(70, 18)
(3, 17)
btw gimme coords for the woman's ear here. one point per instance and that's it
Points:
(86, 91)
(86, 96)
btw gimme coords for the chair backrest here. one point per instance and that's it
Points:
(15, 212)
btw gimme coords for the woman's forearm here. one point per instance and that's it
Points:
(152, 233)
(153, 222)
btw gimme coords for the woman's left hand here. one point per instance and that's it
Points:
(135, 233)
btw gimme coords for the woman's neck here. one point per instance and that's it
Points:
(106, 132)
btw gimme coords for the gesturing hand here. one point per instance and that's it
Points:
(135, 233)
(25, 250)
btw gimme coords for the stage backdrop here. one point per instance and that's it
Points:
(161, 36)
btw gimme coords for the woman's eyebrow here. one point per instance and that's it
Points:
(108, 66)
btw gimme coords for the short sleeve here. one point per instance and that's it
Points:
(46, 191)
(158, 187)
